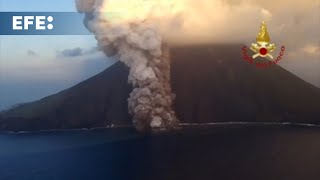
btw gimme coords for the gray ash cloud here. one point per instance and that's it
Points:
(140, 46)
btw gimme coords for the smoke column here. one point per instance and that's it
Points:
(138, 43)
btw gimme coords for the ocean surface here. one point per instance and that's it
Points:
(232, 152)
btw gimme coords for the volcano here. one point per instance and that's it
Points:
(211, 82)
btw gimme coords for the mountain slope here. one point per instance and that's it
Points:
(212, 83)
(96, 102)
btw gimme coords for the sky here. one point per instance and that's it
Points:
(32, 67)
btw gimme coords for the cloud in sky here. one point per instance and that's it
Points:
(71, 52)
(312, 50)
(239, 20)
(76, 52)
(32, 53)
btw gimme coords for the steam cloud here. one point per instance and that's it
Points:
(139, 45)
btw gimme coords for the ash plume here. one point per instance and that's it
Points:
(139, 45)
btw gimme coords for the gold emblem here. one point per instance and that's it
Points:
(263, 48)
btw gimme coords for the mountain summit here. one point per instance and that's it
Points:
(211, 82)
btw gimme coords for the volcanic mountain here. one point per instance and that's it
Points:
(212, 84)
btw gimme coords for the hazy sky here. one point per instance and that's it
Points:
(33, 67)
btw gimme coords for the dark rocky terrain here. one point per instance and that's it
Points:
(212, 84)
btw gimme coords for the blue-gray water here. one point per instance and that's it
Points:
(231, 152)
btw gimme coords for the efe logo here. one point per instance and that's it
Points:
(37, 22)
